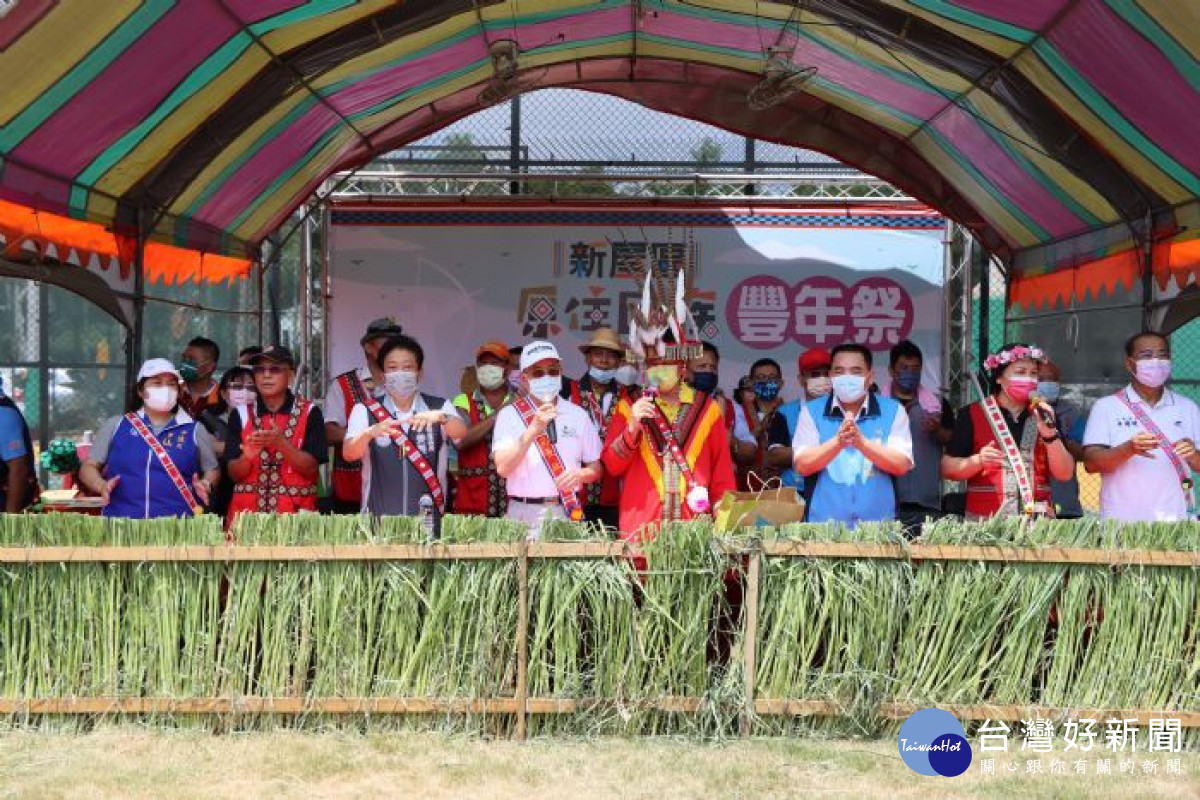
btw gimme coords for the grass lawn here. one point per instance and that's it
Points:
(134, 762)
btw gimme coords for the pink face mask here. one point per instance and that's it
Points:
(1020, 387)
(1154, 372)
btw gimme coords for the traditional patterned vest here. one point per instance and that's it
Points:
(607, 491)
(347, 475)
(995, 491)
(480, 489)
(273, 485)
(145, 490)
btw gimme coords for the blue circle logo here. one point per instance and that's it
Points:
(932, 742)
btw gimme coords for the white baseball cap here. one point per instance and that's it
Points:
(157, 366)
(537, 351)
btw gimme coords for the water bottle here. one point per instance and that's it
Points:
(426, 506)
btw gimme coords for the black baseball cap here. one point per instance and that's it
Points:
(276, 354)
(381, 328)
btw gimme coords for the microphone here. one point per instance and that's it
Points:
(1035, 400)
(552, 432)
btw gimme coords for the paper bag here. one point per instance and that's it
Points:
(768, 507)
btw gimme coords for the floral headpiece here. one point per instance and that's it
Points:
(1008, 355)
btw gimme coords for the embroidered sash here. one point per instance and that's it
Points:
(1181, 469)
(415, 457)
(1012, 455)
(165, 459)
(550, 458)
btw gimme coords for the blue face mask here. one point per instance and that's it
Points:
(766, 390)
(704, 381)
(907, 380)
(601, 375)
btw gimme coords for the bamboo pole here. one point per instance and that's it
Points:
(753, 575)
(522, 692)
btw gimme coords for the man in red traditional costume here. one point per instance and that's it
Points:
(670, 447)
(276, 448)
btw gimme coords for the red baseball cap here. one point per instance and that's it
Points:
(816, 358)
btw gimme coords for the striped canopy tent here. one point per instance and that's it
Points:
(1061, 132)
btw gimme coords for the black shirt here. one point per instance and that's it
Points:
(778, 433)
(962, 442)
(315, 443)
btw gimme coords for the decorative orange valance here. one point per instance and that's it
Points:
(1177, 260)
(26, 230)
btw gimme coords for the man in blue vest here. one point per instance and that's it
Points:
(18, 478)
(854, 443)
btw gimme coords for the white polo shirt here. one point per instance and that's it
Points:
(1142, 489)
(578, 444)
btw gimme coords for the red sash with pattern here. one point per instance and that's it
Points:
(1167, 446)
(1012, 454)
(594, 408)
(671, 444)
(165, 459)
(415, 457)
(550, 458)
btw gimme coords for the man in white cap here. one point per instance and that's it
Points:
(546, 448)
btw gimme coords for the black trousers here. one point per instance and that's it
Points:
(912, 516)
(608, 516)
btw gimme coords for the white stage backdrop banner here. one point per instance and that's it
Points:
(766, 282)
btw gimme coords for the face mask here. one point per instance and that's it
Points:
(241, 397)
(1154, 372)
(161, 398)
(626, 374)
(602, 375)
(402, 383)
(704, 381)
(189, 371)
(490, 376)
(514, 379)
(907, 380)
(849, 388)
(766, 390)
(663, 378)
(818, 387)
(1019, 388)
(1049, 390)
(546, 388)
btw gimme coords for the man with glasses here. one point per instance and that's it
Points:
(275, 453)
(545, 447)
(1142, 440)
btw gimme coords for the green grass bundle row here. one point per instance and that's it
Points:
(853, 632)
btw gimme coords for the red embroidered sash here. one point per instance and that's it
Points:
(550, 458)
(163, 458)
(587, 400)
(671, 444)
(415, 457)
(1012, 453)
(1168, 447)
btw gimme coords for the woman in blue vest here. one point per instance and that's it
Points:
(154, 461)
(854, 443)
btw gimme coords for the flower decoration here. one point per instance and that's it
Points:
(1009, 355)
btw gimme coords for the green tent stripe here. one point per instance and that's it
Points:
(1086, 92)
(975, 20)
(83, 73)
(205, 73)
(1179, 56)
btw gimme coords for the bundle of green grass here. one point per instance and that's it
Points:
(623, 645)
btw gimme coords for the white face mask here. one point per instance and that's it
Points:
(161, 398)
(818, 387)
(602, 375)
(490, 376)
(546, 388)
(401, 383)
(626, 374)
(849, 388)
(242, 397)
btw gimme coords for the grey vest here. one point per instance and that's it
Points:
(396, 486)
